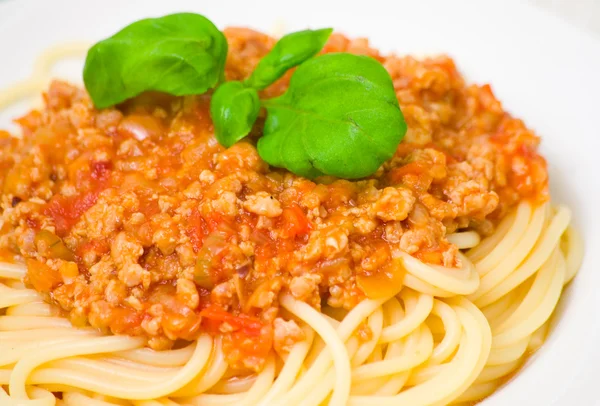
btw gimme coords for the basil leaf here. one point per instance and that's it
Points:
(233, 109)
(291, 50)
(340, 117)
(180, 54)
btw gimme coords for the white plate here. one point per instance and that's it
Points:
(544, 71)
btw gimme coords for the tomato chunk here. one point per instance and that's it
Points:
(216, 316)
(196, 229)
(294, 221)
(66, 211)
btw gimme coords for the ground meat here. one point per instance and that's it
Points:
(394, 204)
(156, 230)
(286, 334)
(304, 286)
(263, 204)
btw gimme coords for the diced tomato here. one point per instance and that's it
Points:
(257, 348)
(98, 246)
(66, 210)
(294, 221)
(148, 206)
(249, 336)
(196, 230)
(213, 220)
(214, 316)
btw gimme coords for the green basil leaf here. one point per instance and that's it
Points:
(233, 109)
(291, 50)
(180, 54)
(340, 117)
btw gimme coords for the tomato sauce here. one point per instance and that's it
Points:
(135, 220)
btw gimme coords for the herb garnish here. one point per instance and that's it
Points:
(179, 54)
(339, 116)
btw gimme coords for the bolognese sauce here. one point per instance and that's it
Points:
(136, 221)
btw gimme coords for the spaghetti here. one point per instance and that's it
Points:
(449, 334)
(425, 349)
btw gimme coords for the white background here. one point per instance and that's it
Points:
(584, 14)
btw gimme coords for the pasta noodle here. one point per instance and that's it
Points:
(465, 356)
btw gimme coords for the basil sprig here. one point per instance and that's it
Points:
(339, 116)
(179, 54)
(234, 109)
(291, 50)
